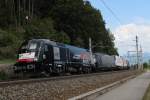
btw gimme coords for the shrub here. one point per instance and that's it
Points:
(3, 75)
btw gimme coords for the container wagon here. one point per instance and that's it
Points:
(104, 62)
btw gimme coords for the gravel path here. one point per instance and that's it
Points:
(60, 89)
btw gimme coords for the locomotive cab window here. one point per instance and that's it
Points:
(29, 47)
(33, 46)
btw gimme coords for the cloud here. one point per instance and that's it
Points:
(125, 36)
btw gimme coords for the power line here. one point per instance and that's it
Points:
(111, 11)
(138, 54)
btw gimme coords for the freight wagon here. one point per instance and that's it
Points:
(107, 62)
(121, 63)
(104, 62)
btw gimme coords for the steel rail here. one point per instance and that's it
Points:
(35, 80)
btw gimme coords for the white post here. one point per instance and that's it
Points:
(90, 50)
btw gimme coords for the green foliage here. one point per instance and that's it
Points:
(81, 21)
(3, 75)
(146, 65)
(7, 61)
(67, 21)
(5, 38)
(39, 28)
(60, 37)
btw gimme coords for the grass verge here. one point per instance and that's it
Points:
(7, 61)
(147, 94)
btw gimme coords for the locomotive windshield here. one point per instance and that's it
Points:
(29, 46)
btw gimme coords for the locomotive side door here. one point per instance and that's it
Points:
(48, 57)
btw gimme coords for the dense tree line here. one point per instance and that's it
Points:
(67, 21)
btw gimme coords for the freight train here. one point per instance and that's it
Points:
(107, 62)
(44, 55)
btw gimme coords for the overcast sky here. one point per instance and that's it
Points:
(134, 16)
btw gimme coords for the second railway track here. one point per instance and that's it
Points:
(27, 81)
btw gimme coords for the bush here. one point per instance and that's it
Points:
(5, 38)
(3, 75)
(7, 52)
(146, 65)
(39, 28)
(9, 43)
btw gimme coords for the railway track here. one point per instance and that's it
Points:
(27, 81)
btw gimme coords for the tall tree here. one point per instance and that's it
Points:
(68, 21)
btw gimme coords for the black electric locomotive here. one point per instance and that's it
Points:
(43, 55)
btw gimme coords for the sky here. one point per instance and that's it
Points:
(134, 19)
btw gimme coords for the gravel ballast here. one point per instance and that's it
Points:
(60, 89)
(6, 68)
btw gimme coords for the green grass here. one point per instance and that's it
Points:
(3, 76)
(147, 94)
(7, 61)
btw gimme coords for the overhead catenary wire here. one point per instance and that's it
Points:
(111, 11)
(138, 56)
